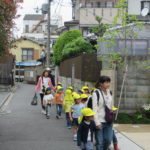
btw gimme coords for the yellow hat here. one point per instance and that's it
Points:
(87, 112)
(114, 108)
(59, 88)
(84, 96)
(76, 96)
(70, 87)
(85, 88)
(74, 93)
(68, 91)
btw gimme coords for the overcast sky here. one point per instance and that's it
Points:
(59, 7)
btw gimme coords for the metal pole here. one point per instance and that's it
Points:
(48, 32)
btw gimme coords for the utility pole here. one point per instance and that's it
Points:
(48, 33)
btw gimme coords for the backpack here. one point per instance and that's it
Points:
(90, 104)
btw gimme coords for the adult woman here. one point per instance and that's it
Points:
(101, 97)
(43, 82)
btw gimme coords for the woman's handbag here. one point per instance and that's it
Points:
(34, 100)
(109, 114)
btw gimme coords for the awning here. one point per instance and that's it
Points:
(28, 63)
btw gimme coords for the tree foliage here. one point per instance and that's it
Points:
(76, 47)
(123, 27)
(7, 14)
(63, 40)
(100, 29)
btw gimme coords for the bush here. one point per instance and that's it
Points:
(76, 47)
(136, 118)
(63, 40)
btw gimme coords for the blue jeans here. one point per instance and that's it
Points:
(68, 120)
(48, 108)
(58, 109)
(104, 137)
(115, 141)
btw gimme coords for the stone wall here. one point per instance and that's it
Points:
(137, 85)
(77, 83)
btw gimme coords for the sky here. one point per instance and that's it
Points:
(59, 7)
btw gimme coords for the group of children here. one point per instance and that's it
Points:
(78, 116)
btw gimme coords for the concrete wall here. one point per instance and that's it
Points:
(87, 15)
(77, 83)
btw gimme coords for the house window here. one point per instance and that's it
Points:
(145, 4)
(27, 54)
(109, 4)
(98, 5)
(103, 4)
(92, 5)
(26, 28)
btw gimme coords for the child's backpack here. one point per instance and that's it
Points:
(89, 101)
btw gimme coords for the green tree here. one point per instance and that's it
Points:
(123, 27)
(62, 41)
(100, 29)
(77, 47)
(7, 14)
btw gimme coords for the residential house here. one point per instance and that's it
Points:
(35, 27)
(140, 5)
(26, 49)
(85, 11)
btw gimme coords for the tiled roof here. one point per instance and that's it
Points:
(33, 17)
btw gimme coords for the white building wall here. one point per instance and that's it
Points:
(31, 23)
(134, 7)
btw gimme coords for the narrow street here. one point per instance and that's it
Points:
(23, 127)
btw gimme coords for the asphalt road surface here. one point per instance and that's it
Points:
(23, 127)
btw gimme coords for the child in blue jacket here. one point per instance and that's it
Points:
(86, 129)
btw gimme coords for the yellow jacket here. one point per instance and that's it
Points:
(68, 100)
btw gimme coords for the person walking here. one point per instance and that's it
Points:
(68, 102)
(75, 113)
(102, 98)
(47, 101)
(43, 82)
(43, 57)
(86, 129)
(51, 76)
(58, 99)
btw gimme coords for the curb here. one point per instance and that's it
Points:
(10, 94)
(5, 100)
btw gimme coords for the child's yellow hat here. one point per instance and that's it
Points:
(84, 96)
(85, 112)
(70, 87)
(85, 88)
(76, 96)
(68, 91)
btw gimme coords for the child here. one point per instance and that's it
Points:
(47, 100)
(86, 90)
(76, 109)
(86, 129)
(68, 102)
(59, 97)
(84, 98)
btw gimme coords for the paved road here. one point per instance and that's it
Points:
(23, 127)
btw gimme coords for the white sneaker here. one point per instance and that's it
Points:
(43, 112)
(75, 137)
